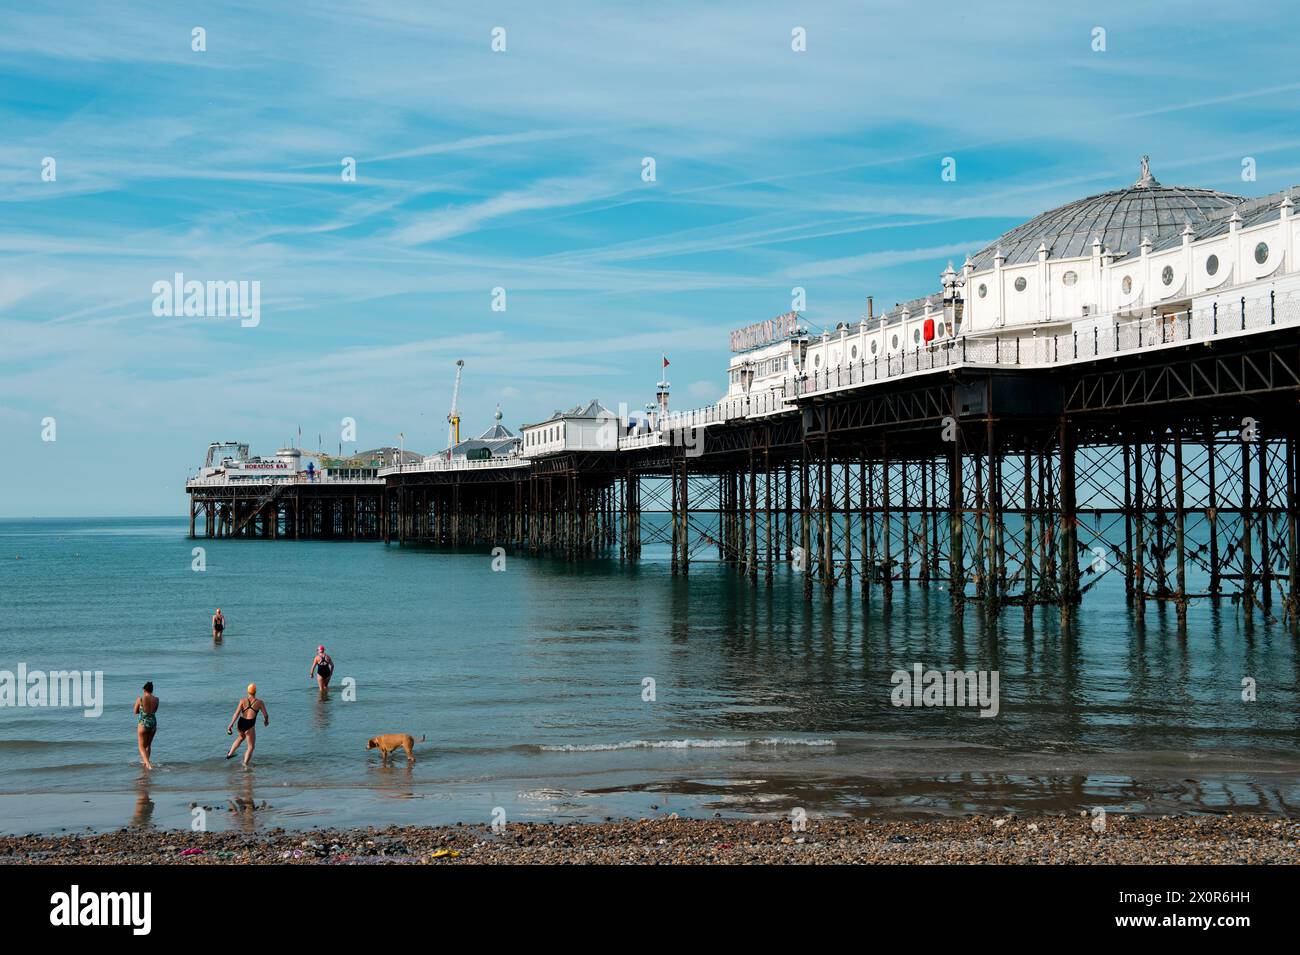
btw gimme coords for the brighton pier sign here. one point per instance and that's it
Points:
(761, 333)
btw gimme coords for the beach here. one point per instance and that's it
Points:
(977, 840)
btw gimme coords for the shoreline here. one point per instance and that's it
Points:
(1048, 839)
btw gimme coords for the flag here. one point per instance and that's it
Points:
(665, 361)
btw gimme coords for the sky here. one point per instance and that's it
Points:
(524, 169)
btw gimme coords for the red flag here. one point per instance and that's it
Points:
(665, 361)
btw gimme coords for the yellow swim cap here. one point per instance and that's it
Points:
(252, 688)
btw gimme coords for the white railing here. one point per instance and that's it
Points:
(645, 439)
(224, 480)
(1103, 336)
(768, 402)
(454, 464)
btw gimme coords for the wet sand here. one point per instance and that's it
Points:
(1055, 839)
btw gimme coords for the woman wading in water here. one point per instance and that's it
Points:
(146, 723)
(323, 668)
(246, 711)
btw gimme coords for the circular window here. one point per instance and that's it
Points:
(1167, 275)
(817, 361)
(1127, 284)
(1261, 253)
(854, 353)
(1069, 278)
(1212, 265)
(1020, 284)
(893, 342)
(984, 290)
(874, 347)
(940, 329)
(916, 335)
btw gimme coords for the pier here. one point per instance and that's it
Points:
(1012, 482)
(1134, 413)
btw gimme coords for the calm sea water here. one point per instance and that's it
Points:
(529, 686)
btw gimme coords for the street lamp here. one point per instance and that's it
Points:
(401, 452)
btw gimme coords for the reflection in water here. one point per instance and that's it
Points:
(243, 804)
(320, 714)
(142, 817)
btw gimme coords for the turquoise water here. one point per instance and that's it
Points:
(528, 684)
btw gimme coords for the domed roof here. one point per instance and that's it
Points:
(1119, 218)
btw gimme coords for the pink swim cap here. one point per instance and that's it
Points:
(320, 649)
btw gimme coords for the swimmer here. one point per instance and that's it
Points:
(246, 711)
(146, 723)
(323, 668)
(218, 624)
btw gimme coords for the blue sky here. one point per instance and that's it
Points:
(522, 170)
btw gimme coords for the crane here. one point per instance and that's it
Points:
(453, 416)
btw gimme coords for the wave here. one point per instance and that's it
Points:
(685, 744)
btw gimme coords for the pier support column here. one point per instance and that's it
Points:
(956, 520)
(826, 514)
(672, 480)
(1138, 556)
(1180, 535)
(686, 528)
(1069, 522)
(886, 518)
(1212, 509)
(1292, 520)
(1247, 526)
(863, 558)
(805, 514)
(768, 528)
(1130, 558)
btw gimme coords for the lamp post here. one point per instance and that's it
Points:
(401, 451)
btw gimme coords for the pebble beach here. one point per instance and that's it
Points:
(1057, 839)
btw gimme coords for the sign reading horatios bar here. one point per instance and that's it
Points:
(760, 333)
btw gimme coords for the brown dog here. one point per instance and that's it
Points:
(389, 742)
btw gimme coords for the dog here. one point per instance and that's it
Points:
(390, 742)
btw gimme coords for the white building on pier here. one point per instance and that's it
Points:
(1089, 267)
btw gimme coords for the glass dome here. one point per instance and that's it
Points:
(1120, 218)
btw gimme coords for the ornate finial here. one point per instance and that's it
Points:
(498, 414)
(1146, 179)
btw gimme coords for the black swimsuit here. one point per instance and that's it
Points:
(324, 670)
(246, 725)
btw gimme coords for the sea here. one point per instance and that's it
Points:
(546, 690)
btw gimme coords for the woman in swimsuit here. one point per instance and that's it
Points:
(146, 723)
(218, 624)
(246, 711)
(323, 668)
